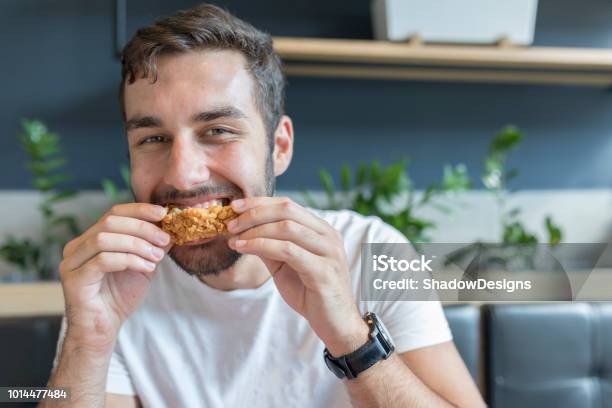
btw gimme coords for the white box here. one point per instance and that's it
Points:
(455, 21)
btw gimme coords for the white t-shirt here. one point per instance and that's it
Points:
(189, 345)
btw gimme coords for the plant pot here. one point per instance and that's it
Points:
(452, 21)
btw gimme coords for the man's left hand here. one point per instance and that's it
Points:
(307, 261)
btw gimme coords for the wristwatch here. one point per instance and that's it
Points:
(378, 347)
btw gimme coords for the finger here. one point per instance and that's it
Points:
(262, 210)
(305, 263)
(289, 230)
(107, 262)
(122, 225)
(243, 204)
(142, 211)
(113, 242)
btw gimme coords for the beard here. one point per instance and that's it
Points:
(209, 258)
(214, 256)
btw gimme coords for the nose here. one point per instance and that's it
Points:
(187, 164)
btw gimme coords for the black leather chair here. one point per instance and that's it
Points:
(27, 348)
(28, 344)
(464, 322)
(549, 355)
(537, 355)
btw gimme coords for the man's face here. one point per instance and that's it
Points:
(196, 135)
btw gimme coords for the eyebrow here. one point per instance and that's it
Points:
(205, 116)
(142, 122)
(223, 112)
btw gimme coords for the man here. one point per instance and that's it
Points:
(242, 319)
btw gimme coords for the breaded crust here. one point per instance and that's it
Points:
(195, 224)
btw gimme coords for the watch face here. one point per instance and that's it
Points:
(386, 335)
(382, 329)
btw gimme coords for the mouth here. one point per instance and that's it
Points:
(201, 202)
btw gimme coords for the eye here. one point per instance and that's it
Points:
(216, 132)
(152, 139)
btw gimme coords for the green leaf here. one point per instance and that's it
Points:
(20, 252)
(125, 176)
(43, 184)
(34, 130)
(492, 177)
(362, 174)
(555, 234)
(514, 233)
(388, 192)
(46, 210)
(455, 179)
(375, 170)
(45, 163)
(428, 194)
(393, 205)
(506, 139)
(495, 176)
(309, 199)
(363, 208)
(50, 182)
(328, 185)
(110, 189)
(43, 167)
(345, 178)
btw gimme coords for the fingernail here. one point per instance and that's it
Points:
(163, 238)
(149, 265)
(238, 204)
(161, 211)
(240, 243)
(157, 253)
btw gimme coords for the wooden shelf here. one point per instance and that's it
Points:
(387, 60)
(31, 299)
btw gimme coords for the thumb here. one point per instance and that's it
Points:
(273, 266)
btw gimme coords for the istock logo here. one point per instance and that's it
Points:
(384, 263)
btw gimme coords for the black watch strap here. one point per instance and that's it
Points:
(377, 348)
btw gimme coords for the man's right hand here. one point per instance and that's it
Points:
(107, 270)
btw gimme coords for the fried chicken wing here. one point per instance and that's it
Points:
(194, 224)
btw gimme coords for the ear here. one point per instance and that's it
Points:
(283, 145)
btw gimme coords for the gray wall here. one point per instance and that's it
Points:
(58, 65)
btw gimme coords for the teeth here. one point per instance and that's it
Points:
(208, 203)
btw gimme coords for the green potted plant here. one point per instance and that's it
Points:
(38, 259)
(114, 194)
(389, 193)
(518, 248)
